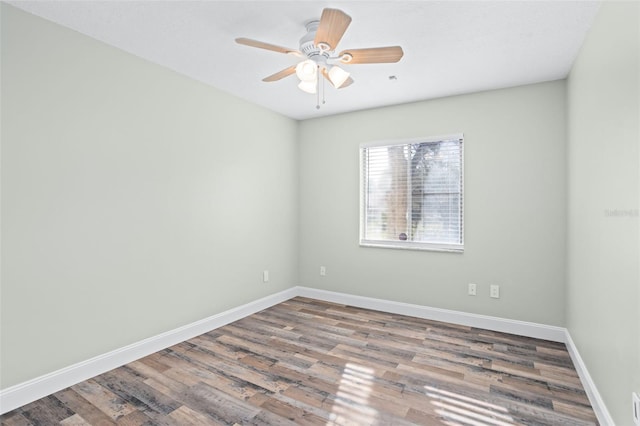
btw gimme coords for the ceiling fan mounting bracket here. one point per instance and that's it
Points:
(346, 58)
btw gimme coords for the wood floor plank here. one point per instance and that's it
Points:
(131, 388)
(75, 420)
(47, 409)
(88, 411)
(580, 411)
(137, 418)
(15, 418)
(310, 362)
(153, 361)
(220, 406)
(109, 403)
(186, 416)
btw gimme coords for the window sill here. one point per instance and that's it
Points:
(409, 246)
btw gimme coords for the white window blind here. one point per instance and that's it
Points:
(411, 194)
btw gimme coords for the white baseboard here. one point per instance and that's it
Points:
(522, 328)
(604, 418)
(26, 392)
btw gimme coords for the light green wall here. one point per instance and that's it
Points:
(514, 205)
(134, 200)
(603, 176)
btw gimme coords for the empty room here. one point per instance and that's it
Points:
(310, 212)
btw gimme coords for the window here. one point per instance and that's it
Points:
(411, 194)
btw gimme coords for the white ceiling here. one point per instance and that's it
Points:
(450, 47)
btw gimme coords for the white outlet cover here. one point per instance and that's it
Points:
(636, 408)
(495, 291)
(472, 289)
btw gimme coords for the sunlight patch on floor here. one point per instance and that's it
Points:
(468, 411)
(351, 405)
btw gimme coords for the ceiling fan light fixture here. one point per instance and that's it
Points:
(307, 70)
(338, 76)
(309, 86)
(317, 48)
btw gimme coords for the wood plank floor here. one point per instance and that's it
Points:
(310, 362)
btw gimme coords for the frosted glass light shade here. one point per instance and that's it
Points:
(338, 76)
(308, 86)
(307, 70)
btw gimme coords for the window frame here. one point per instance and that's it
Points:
(409, 245)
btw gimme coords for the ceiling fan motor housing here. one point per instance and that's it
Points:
(320, 53)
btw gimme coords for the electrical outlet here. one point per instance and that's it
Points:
(472, 289)
(636, 408)
(265, 276)
(494, 291)
(323, 271)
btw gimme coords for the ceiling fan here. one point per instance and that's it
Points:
(318, 47)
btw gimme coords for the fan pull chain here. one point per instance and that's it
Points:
(318, 87)
(323, 85)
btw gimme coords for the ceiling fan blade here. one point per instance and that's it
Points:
(280, 74)
(333, 24)
(267, 46)
(373, 55)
